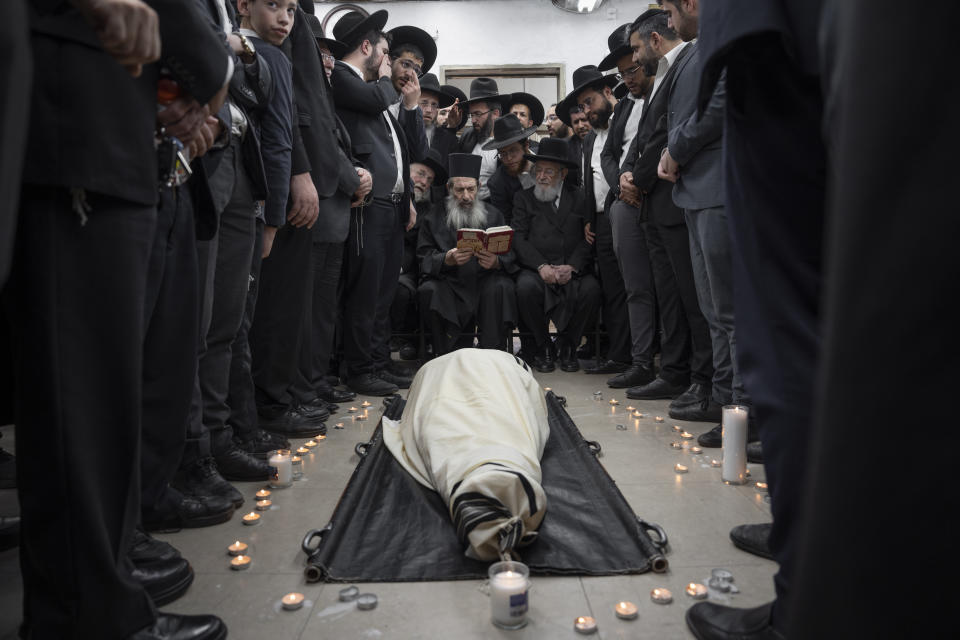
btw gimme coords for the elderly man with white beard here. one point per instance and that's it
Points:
(462, 289)
(554, 283)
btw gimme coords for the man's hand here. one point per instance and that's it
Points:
(589, 235)
(366, 185)
(668, 169)
(564, 273)
(629, 192)
(413, 216)
(488, 260)
(411, 93)
(548, 274)
(182, 118)
(455, 115)
(201, 143)
(269, 233)
(305, 204)
(385, 70)
(457, 257)
(129, 30)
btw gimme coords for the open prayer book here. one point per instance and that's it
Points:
(495, 239)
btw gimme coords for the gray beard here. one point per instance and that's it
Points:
(474, 217)
(547, 194)
(421, 196)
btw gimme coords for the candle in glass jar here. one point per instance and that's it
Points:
(509, 586)
(283, 477)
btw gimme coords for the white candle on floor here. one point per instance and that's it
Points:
(284, 474)
(508, 594)
(734, 444)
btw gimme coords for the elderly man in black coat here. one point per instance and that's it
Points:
(548, 236)
(463, 288)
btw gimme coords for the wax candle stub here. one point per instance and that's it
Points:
(251, 518)
(715, 463)
(631, 408)
(309, 444)
(637, 414)
(680, 468)
(676, 445)
(339, 425)
(237, 548)
(366, 601)
(548, 388)
(626, 610)
(263, 505)
(686, 435)
(303, 450)
(349, 594)
(696, 450)
(585, 625)
(677, 428)
(239, 563)
(352, 410)
(292, 601)
(661, 595)
(696, 591)
(263, 493)
(659, 418)
(365, 403)
(762, 487)
(614, 402)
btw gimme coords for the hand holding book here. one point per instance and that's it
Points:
(496, 240)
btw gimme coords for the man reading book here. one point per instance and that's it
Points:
(464, 288)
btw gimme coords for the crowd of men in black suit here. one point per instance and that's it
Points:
(206, 205)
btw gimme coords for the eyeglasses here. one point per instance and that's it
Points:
(326, 57)
(552, 117)
(477, 114)
(410, 66)
(549, 172)
(429, 104)
(511, 153)
(587, 102)
(628, 72)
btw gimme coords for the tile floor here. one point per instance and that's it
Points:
(696, 509)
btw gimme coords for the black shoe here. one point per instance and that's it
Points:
(409, 352)
(314, 410)
(659, 389)
(192, 512)
(9, 532)
(239, 466)
(170, 626)
(755, 452)
(202, 479)
(753, 538)
(263, 444)
(711, 621)
(398, 369)
(322, 404)
(332, 380)
(401, 381)
(568, 357)
(333, 395)
(711, 439)
(545, 359)
(164, 580)
(635, 376)
(8, 470)
(370, 385)
(607, 367)
(706, 411)
(292, 424)
(527, 357)
(146, 549)
(695, 394)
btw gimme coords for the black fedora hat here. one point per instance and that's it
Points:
(458, 95)
(464, 165)
(552, 150)
(435, 162)
(336, 47)
(485, 90)
(619, 45)
(536, 107)
(620, 91)
(586, 77)
(354, 25)
(430, 82)
(420, 39)
(506, 131)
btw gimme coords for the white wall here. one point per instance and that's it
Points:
(496, 32)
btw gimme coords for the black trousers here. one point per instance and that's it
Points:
(319, 321)
(276, 337)
(686, 351)
(580, 308)
(169, 348)
(76, 299)
(404, 312)
(241, 396)
(371, 263)
(775, 204)
(614, 314)
(494, 304)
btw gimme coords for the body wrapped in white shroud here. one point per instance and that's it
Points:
(473, 429)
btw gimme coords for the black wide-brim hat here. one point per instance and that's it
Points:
(536, 107)
(618, 43)
(552, 150)
(419, 38)
(458, 95)
(506, 131)
(430, 82)
(620, 91)
(464, 165)
(586, 77)
(336, 47)
(485, 90)
(435, 162)
(354, 25)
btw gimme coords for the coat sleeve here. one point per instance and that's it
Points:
(527, 255)
(610, 163)
(277, 138)
(412, 122)
(645, 170)
(581, 256)
(697, 131)
(430, 254)
(353, 94)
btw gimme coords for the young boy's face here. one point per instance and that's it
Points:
(271, 19)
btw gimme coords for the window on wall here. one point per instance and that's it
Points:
(543, 81)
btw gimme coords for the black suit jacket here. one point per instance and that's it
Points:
(104, 141)
(610, 156)
(544, 236)
(643, 157)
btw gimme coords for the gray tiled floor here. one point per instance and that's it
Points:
(696, 509)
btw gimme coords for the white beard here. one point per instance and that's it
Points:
(421, 196)
(474, 217)
(547, 194)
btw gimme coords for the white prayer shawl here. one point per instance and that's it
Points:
(473, 429)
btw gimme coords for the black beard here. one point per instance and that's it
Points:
(563, 131)
(487, 129)
(599, 119)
